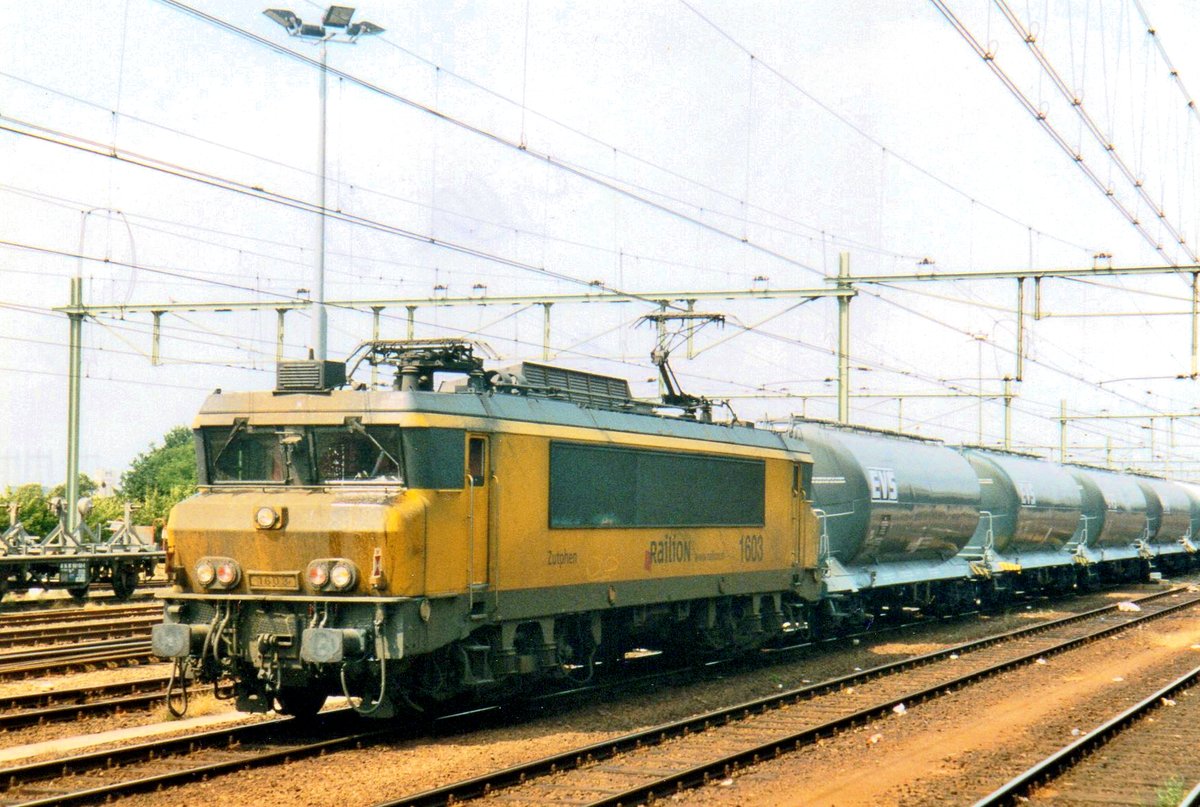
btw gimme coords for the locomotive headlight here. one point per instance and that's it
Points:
(336, 574)
(228, 573)
(265, 518)
(206, 573)
(342, 575)
(318, 574)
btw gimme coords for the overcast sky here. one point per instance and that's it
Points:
(649, 146)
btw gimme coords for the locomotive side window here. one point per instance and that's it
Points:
(434, 458)
(476, 460)
(604, 486)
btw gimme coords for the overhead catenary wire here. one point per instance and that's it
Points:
(91, 147)
(858, 130)
(514, 313)
(77, 205)
(1052, 131)
(1090, 125)
(514, 145)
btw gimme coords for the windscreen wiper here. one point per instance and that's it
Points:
(356, 426)
(238, 425)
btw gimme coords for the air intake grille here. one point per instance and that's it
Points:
(587, 389)
(309, 376)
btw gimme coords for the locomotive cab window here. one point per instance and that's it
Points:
(271, 454)
(357, 453)
(349, 454)
(476, 460)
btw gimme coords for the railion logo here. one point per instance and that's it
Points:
(669, 550)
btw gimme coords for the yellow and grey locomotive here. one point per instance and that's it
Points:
(407, 546)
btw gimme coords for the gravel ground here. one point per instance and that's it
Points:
(958, 748)
(87, 725)
(370, 775)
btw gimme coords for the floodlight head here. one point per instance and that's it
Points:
(285, 18)
(362, 29)
(312, 31)
(338, 16)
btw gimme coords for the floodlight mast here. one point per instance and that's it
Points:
(335, 26)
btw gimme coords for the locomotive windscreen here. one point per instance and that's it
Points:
(325, 455)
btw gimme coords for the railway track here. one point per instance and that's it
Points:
(1137, 757)
(20, 711)
(113, 773)
(49, 616)
(101, 594)
(643, 766)
(89, 655)
(111, 628)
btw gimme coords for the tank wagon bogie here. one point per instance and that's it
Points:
(407, 547)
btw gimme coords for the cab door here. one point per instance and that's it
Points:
(804, 525)
(478, 482)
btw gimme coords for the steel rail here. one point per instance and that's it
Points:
(75, 711)
(1015, 790)
(234, 741)
(664, 786)
(56, 653)
(189, 744)
(19, 711)
(79, 695)
(118, 629)
(46, 616)
(113, 653)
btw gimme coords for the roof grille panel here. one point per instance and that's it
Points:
(309, 376)
(576, 386)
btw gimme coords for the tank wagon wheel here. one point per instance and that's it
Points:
(125, 579)
(301, 702)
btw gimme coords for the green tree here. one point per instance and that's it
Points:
(162, 476)
(33, 506)
(106, 509)
(87, 486)
(33, 509)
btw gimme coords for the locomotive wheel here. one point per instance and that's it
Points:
(124, 580)
(299, 702)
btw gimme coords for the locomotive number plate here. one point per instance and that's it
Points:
(275, 581)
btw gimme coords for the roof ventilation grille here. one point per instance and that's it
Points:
(309, 376)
